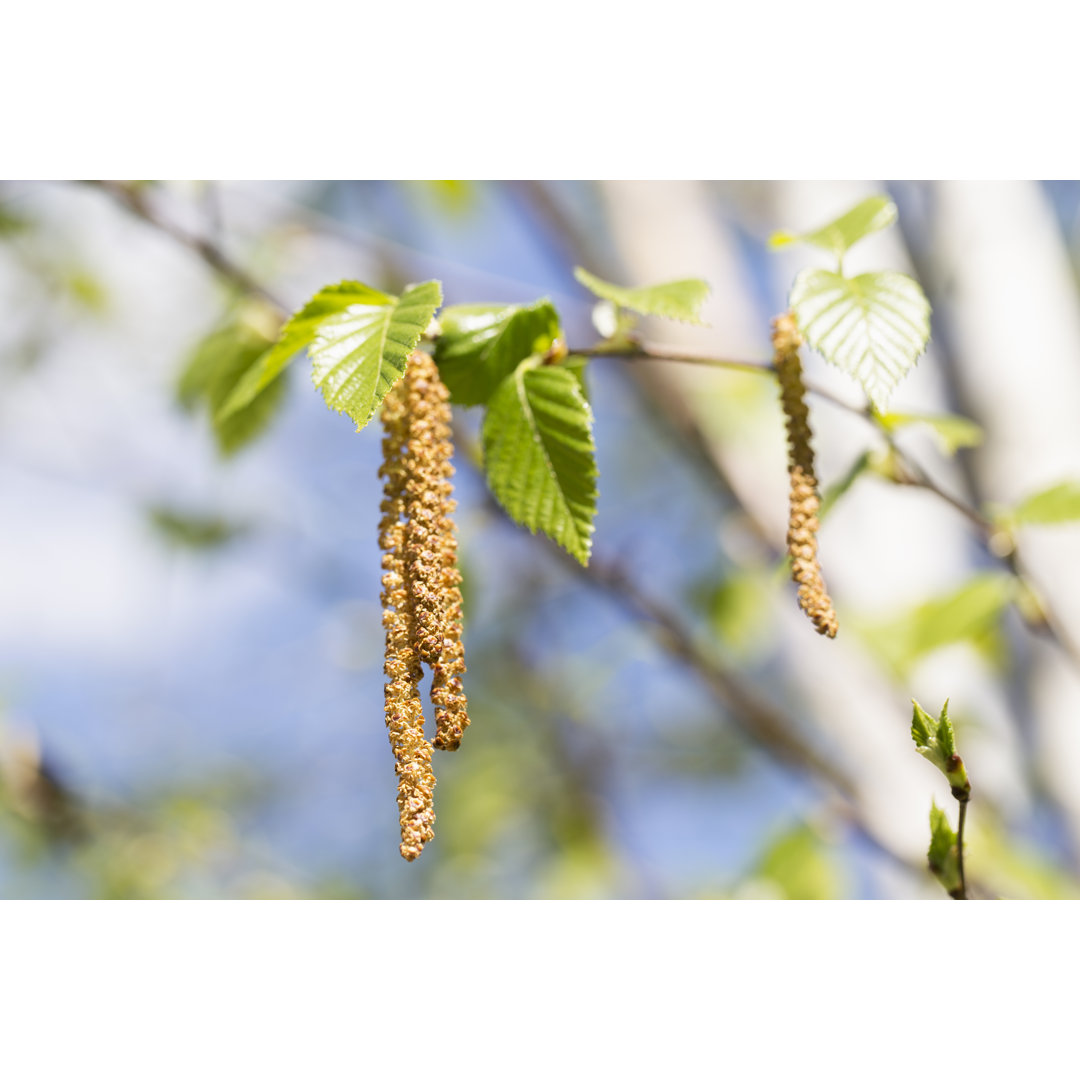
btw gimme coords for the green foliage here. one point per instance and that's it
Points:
(836, 491)
(214, 369)
(195, 531)
(358, 354)
(936, 741)
(943, 855)
(738, 611)
(481, 344)
(969, 614)
(799, 865)
(358, 339)
(873, 326)
(954, 432)
(539, 454)
(1057, 505)
(870, 216)
(680, 300)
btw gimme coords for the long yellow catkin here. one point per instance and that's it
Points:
(421, 589)
(804, 501)
(404, 709)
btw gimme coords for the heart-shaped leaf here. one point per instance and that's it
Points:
(873, 326)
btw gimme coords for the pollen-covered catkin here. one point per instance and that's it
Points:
(421, 589)
(404, 709)
(804, 500)
(431, 547)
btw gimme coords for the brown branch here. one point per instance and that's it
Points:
(134, 200)
(908, 473)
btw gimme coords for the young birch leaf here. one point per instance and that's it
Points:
(870, 216)
(835, 492)
(874, 326)
(680, 300)
(936, 741)
(955, 432)
(539, 455)
(943, 855)
(217, 364)
(359, 353)
(970, 614)
(1057, 505)
(481, 344)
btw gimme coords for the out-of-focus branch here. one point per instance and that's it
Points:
(134, 199)
(907, 473)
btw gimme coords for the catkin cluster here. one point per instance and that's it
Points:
(421, 594)
(804, 500)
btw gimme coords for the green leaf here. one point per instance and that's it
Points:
(359, 353)
(955, 432)
(219, 362)
(936, 741)
(1057, 505)
(874, 326)
(870, 216)
(836, 491)
(539, 455)
(481, 344)
(970, 614)
(680, 300)
(190, 530)
(800, 865)
(943, 855)
(738, 610)
(576, 365)
(358, 339)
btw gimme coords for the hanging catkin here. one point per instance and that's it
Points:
(804, 500)
(421, 595)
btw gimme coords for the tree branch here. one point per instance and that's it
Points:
(908, 474)
(134, 200)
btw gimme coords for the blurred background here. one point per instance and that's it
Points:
(190, 639)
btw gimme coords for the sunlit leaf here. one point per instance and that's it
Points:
(800, 865)
(1057, 505)
(358, 339)
(970, 613)
(954, 432)
(359, 353)
(680, 300)
(481, 344)
(874, 326)
(539, 455)
(870, 216)
(936, 741)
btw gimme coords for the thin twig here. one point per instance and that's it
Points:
(649, 351)
(908, 473)
(134, 199)
(960, 850)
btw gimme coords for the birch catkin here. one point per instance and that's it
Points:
(421, 595)
(804, 500)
